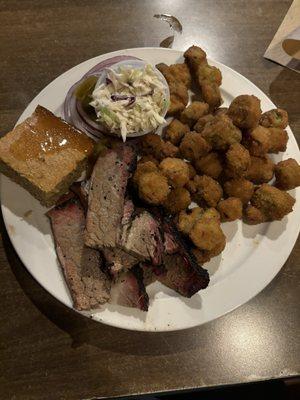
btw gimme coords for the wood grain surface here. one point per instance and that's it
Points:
(46, 350)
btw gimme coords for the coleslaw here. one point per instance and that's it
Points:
(130, 100)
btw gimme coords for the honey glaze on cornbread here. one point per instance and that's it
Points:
(46, 134)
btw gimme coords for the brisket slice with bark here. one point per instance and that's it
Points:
(142, 238)
(183, 273)
(180, 276)
(180, 270)
(106, 197)
(129, 290)
(88, 285)
(171, 246)
(81, 190)
(117, 260)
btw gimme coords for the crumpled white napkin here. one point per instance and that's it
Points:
(285, 46)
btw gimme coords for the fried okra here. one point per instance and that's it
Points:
(193, 146)
(209, 191)
(230, 209)
(176, 171)
(272, 202)
(193, 112)
(253, 215)
(153, 188)
(278, 139)
(211, 214)
(245, 111)
(263, 140)
(277, 118)
(237, 160)
(211, 94)
(240, 188)
(168, 150)
(187, 219)
(221, 110)
(143, 168)
(200, 124)
(191, 187)
(181, 73)
(210, 165)
(209, 78)
(175, 131)
(178, 199)
(204, 256)
(192, 171)
(261, 170)
(221, 133)
(207, 235)
(153, 145)
(203, 227)
(287, 174)
(179, 80)
(176, 72)
(194, 57)
(147, 158)
(258, 141)
(206, 72)
(179, 97)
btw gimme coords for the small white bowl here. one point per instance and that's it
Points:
(137, 64)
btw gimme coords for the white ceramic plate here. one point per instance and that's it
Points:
(253, 254)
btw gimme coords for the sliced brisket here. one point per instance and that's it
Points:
(64, 198)
(171, 246)
(151, 272)
(106, 197)
(181, 276)
(181, 270)
(117, 260)
(88, 285)
(142, 238)
(129, 290)
(81, 189)
(183, 273)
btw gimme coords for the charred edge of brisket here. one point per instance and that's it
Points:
(64, 204)
(143, 295)
(130, 158)
(128, 212)
(106, 267)
(65, 198)
(184, 250)
(78, 191)
(137, 211)
(156, 269)
(160, 248)
(132, 165)
(164, 227)
(168, 225)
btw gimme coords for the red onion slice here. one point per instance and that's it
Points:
(118, 97)
(73, 111)
(108, 63)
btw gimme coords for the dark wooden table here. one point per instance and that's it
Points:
(47, 351)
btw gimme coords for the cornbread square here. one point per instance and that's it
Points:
(45, 155)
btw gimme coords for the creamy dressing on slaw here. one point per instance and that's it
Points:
(131, 100)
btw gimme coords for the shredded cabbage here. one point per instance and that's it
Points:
(131, 101)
